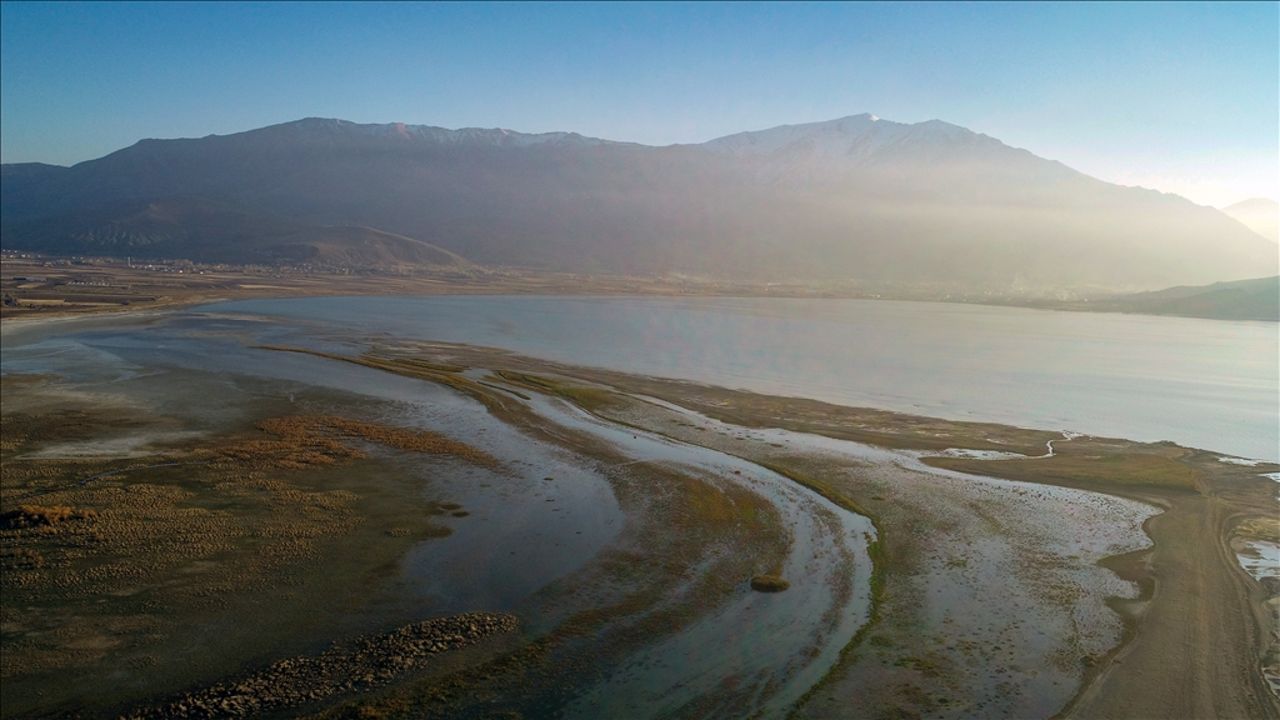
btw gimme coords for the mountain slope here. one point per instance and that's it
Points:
(1255, 299)
(1259, 215)
(856, 200)
(207, 230)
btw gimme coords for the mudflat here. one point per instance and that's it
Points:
(605, 530)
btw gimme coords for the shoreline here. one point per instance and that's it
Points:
(1216, 482)
(951, 402)
(1154, 496)
(173, 291)
(1115, 563)
(1107, 687)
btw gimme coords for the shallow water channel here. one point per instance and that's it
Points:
(759, 639)
(541, 517)
(1010, 587)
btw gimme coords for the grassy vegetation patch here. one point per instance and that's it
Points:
(818, 485)
(1260, 528)
(119, 561)
(1133, 469)
(587, 397)
(60, 425)
(321, 427)
(703, 502)
(432, 366)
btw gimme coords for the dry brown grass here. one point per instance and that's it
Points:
(297, 442)
(587, 397)
(198, 527)
(28, 516)
(323, 430)
(56, 425)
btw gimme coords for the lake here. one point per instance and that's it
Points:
(543, 521)
(1202, 383)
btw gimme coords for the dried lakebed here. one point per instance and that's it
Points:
(621, 519)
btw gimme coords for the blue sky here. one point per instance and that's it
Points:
(1181, 97)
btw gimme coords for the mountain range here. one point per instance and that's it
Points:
(858, 200)
(1259, 215)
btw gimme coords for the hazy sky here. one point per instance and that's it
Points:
(1180, 97)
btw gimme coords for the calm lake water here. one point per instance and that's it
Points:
(1201, 383)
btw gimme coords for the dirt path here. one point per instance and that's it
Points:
(1197, 652)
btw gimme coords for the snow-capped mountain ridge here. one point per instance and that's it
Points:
(857, 199)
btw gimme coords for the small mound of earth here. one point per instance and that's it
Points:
(769, 583)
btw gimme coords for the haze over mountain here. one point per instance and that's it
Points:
(218, 231)
(1259, 215)
(859, 199)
